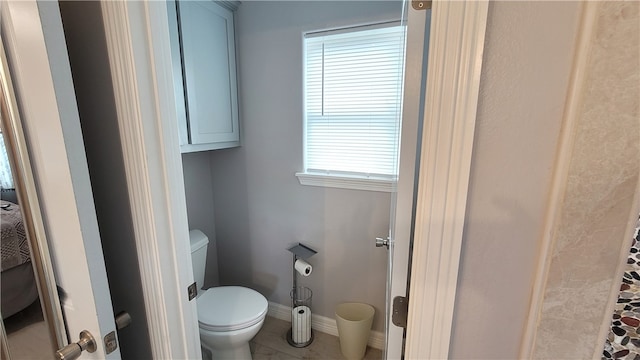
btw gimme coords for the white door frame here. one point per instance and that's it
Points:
(140, 58)
(137, 37)
(456, 46)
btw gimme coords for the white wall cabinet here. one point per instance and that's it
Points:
(204, 70)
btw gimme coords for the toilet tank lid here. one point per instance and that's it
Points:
(197, 239)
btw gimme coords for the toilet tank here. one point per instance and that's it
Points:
(199, 242)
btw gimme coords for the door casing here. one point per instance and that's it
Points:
(36, 54)
(139, 48)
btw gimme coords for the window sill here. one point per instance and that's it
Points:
(347, 182)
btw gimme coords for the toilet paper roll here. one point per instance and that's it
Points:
(303, 267)
(301, 324)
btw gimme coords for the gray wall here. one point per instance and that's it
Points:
(260, 208)
(527, 61)
(198, 186)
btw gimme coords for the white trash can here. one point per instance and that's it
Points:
(354, 325)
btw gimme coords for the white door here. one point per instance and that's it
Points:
(402, 204)
(37, 65)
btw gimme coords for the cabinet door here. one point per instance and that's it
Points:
(208, 51)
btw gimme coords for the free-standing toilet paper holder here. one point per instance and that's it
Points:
(300, 298)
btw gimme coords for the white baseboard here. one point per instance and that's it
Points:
(323, 324)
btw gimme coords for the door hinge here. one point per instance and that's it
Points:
(400, 310)
(421, 5)
(192, 290)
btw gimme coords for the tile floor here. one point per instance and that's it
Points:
(271, 344)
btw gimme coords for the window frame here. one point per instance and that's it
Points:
(347, 179)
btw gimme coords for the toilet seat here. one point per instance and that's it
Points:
(229, 308)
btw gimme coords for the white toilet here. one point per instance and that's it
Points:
(228, 316)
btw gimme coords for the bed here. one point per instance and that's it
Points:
(17, 282)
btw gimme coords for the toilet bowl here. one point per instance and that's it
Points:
(228, 316)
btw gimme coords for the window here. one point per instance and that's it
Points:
(6, 179)
(353, 101)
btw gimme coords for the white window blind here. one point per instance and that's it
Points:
(353, 101)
